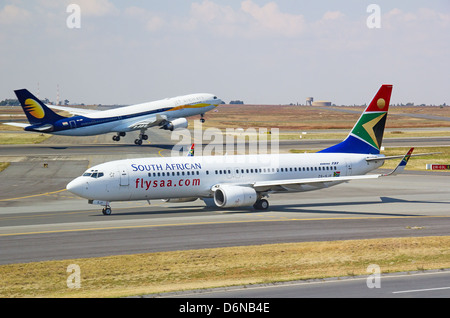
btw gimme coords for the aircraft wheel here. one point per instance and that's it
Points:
(145, 137)
(138, 142)
(106, 211)
(116, 138)
(202, 120)
(264, 204)
(261, 204)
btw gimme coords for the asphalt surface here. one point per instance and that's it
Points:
(423, 284)
(40, 221)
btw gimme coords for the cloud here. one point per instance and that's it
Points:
(12, 14)
(97, 8)
(249, 20)
(269, 18)
(152, 21)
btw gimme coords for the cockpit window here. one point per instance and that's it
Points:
(93, 174)
(215, 97)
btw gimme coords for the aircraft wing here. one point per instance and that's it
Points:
(298, 183)
(147, 123)
(73, 110)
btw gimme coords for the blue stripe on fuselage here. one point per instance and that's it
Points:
(82, 121)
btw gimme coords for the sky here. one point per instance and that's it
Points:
(261, 52)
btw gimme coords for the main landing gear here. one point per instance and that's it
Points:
(261, 204)
(142, 136)
(202, 120)
(117, 137)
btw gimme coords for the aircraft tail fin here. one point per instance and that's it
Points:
(35, 110)
(367, 134)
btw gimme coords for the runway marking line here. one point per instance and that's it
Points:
(208, 223)
(32, 196)
(419, 290)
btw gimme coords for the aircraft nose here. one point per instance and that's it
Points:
(77, 186)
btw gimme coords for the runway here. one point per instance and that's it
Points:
(41, 221)
(60, 226)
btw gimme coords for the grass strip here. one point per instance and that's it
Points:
(22, 138)
(125, 275)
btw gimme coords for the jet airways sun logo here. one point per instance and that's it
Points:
(34, 109)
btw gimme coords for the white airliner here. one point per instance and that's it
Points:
(243, 180)
(168, 114)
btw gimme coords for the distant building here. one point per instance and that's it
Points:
(321, 103)
(236, 102)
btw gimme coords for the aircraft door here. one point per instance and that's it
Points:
(73, 124)
(124, 178)
(348, 165)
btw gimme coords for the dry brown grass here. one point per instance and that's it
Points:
(307, 117)
(172, 271)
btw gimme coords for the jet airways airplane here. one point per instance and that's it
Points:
(243, 180)
(168, 114)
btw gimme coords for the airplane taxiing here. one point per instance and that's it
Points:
(243, 180)
(168, 114)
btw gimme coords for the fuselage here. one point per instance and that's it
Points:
(194, 177)
(122, 118)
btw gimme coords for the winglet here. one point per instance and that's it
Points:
(191, 151)
(401, 166)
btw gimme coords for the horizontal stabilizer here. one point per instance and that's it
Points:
(21, 125)
(401, 156)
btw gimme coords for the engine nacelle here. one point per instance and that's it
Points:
(234, 196)
(178, 123)
(179, 200)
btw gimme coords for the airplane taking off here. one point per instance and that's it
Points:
(243, 180)
(168, 114)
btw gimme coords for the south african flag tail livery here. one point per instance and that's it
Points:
(367, 134)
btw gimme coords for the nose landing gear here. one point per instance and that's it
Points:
(107, 210)
(106, 207)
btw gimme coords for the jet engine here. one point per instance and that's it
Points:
(234, 196)
(178, 123)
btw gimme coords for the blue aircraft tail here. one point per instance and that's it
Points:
(37, 112)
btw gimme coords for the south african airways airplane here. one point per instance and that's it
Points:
(168, 114)
(243, 180)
